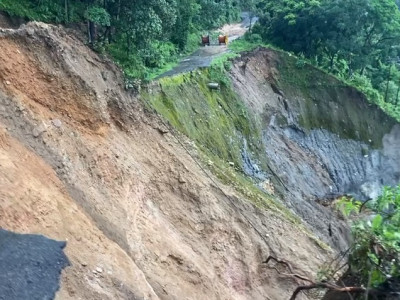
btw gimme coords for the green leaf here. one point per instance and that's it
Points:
(377, 222)
(373, 258)
(377, 277)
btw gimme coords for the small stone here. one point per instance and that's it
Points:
(39, 130)
(30, 31)
(163, 130)
(181, 179)
(84, 264)
(232, 164)
(213, 85)
(56, 123)
(7, 82)
(99, 270)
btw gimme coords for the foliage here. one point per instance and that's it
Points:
(98, 15)
(375, 253)
(358, 41)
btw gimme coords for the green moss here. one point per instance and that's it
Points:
(215, 119)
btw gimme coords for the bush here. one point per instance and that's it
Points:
(375, 253)
(364, 84)
(254, 38)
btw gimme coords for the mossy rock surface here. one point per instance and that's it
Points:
(324, 102)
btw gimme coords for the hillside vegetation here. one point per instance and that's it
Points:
(358, 41)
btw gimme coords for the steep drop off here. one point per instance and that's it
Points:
(82, 162)
(300, 134)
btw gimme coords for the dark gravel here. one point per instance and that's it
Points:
(30, 266)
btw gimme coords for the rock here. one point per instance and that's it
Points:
(56, 123)
(30, 31)
(39, 130)
(231, 163)
(181, 179)
(7, 82)
(84, 264)
(213, 85)
(162, 130)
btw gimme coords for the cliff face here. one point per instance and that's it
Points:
(81, 161)
(303, 136)
(322, 138)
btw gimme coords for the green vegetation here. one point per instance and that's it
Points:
(144, 37)
(214, 119)
(375, 253)
(358, 41)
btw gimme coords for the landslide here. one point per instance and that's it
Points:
(82, 161)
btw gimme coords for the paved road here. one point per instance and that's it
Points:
(30, 266)
(204, 56)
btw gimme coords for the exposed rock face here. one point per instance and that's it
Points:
(322, 138)
(141, 219)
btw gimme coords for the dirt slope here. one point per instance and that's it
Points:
(80, 161)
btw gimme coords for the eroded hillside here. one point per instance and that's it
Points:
(300, 135)
(81, 161)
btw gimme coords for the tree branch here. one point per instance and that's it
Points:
(279, 262)
(349, 289)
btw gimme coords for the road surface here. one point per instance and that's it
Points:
(204, 56)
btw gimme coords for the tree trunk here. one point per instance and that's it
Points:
(128, 41)
(66, 11)
(91, 32)
(88, 31)
(119, 9)
(387, 82)
(331, 62)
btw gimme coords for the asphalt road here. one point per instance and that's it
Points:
(204, 56)
(30, 266)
